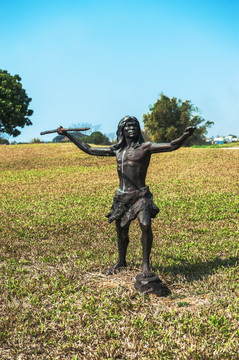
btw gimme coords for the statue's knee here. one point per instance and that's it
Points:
(145, 226)
(144, 219)
(123, 233)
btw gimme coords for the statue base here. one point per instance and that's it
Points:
(151, 285)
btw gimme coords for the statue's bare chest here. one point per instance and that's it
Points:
(129, 155)
(134, 159)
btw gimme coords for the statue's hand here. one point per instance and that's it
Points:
(190, 130)
(60, 131)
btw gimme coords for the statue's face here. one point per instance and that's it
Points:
(131, 130)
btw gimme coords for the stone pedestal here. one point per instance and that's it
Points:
(151, 285)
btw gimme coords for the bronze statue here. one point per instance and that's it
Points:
(133, 198)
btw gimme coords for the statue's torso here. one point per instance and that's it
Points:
(132, 165)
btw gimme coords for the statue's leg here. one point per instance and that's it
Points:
(144, 219)
(123, 241)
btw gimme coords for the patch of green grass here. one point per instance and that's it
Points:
(183, 304)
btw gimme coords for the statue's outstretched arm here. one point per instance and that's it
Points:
(98, 151)
(174, 145)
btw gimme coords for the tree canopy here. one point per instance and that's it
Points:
(168, 118)
(3, 141)
(14, 104)
(98, 138)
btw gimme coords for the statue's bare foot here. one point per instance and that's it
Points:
(118, 266)
(146, 270)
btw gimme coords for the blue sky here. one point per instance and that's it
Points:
(97, 61)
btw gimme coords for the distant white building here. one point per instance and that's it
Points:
(218, 140)
(224, 139)
(228, 139)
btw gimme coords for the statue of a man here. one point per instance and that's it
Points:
(133, 198)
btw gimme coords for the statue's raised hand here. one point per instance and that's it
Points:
(61, 131)
(190, 130)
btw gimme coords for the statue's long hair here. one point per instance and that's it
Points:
(121, 143)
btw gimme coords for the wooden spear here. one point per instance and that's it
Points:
(53, 131)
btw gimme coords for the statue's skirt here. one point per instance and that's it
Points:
(127, 205)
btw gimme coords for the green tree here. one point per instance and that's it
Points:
(146, 135)
(168, 118)
(14, 104)
(3, 141)
(98, 138)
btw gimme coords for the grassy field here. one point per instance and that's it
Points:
(218, 146)
(56, 301)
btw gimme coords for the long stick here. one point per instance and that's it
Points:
(53, 131)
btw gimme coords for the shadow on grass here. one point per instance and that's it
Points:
(197, 270)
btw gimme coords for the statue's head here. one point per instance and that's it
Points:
(120, 132)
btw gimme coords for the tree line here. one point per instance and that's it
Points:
(96, 137)
(166, 120)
